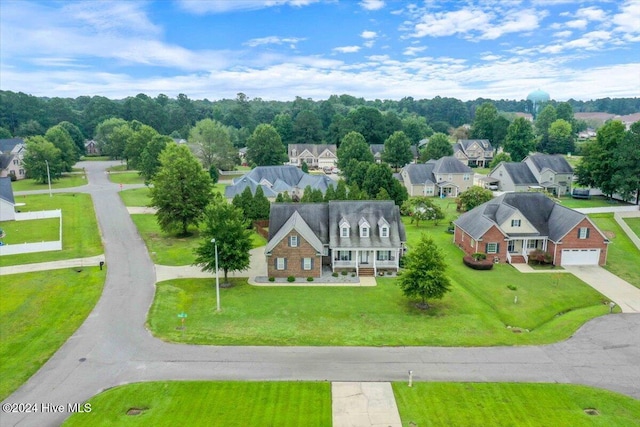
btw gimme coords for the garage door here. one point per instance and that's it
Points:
(580, 256)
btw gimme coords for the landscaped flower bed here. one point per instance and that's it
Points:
(477, 264)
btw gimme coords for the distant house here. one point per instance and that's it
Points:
(91, 148)
(552, 172)
(7, 202)
(513, 176)
(444, 177)
(474, 152)
(378, 149)
(316, 156)
(12, 152)
(278, 179)
(509, 227)
(365, 237)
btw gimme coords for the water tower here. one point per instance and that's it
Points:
(537, 98)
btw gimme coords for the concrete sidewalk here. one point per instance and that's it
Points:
(526, 268)
(93, 261)
(617, 290)
(369, 404)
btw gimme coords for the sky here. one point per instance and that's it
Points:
(280, 49)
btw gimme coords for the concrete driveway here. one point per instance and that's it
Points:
(619, 291)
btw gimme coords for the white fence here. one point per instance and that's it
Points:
(625, 227)
(26, 248)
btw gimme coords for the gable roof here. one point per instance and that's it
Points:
(314, 149)
(371, 211)
(519, 172)
(554, 162)
(6, 191)
(376, 149)
(281, 178)
(420, 173)
(295, 222)
(450, 164)
(547, 217)
(315, 215)
(464, 144)
(8, 144)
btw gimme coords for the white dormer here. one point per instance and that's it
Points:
(365, 227)
(266, 183)
(344, 228)
(383, 228)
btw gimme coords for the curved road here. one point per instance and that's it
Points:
(113, 347)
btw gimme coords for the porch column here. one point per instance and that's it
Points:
(375, 269)
(525, 246)
(397, 259)
(357, 264)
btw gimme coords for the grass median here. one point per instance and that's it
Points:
(80, 235)
(66, 181)
(508, 404)
(634, 224)
(38, 312)
(198, 403)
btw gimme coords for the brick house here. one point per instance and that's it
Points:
(509, 227)
(365, 237)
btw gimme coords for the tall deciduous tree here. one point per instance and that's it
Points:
(181, 189)
(265, 148)
(520, 140)
(76, 135)
(626, 178)
(39, 151)
(561, 139)
(150, 158)
(422, 208)
(482, 127)
(307, 128)
(353, 147)
(500, 157)
(397, 150)
(59, 137)
(112, 135)
(437, 147)
(140, 138)
(224, 223)
(424, 274)
(212, 143)
(543, 123)
(416, 128)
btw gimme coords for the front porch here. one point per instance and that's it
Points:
(518, 249)
(448, 189)
(366, 262)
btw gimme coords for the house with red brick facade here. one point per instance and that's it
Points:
(365, 237)
(513, 225)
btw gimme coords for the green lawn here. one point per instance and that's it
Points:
(194, 403)
(634, 224)
(129, 177)
(118, 168)
(623, 257)
(92, 158)
(80, 236)
(31, 231)
(38, 312)
(66, 181)
(593, 202)
(508, 404)
(136, 197)
(170, 249)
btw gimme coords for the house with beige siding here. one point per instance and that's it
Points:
(445, 177)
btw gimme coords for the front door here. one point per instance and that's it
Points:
(364, 257)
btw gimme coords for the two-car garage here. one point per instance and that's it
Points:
(580, 256)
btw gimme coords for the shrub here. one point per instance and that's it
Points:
(540, 257)
(477, 265)
(309, 279)
(344, 273)
(479, 256)
(512, 287)
(272, 279)
(291, 279)
(334, 274)
(353, 274)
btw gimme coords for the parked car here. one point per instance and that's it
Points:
(327, 169)
(335, 171)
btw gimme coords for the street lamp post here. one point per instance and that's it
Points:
(215, 244)
(48, 177)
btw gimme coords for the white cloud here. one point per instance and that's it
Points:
(562, 34)
(449, 23)
(591, 14)
(490, 57)
(273, 40)
(368, 34)
(413, 50)
(347, 49)
(372, 4)
(579, 24)
(201, 7)
(627, 20)
(515, 21)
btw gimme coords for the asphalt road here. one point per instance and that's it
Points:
(113, 346)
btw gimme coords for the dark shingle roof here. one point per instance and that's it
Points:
(372, 211)
(450, 164)
(315, 149)
(419, 173)
(281, 178)
(520, 173)
(547, 217)
(556, 163)
(316, 215)
(7, 144)
(376, 148)
(6, 191)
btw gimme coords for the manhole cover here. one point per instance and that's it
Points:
(591, 411)
(82, 359)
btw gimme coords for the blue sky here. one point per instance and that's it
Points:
(280, 49)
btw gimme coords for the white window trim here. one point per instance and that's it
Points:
(384, 231)
(582, 233)
(344, 232)
(364, 231)
(280, 263)
(494, 250)
(306, 266)
(293, 241)
(516, 222)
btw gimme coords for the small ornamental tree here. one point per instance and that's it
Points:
(225, 223)
(424, 273)
(422, 208)
(474, 196)
(304, 167)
